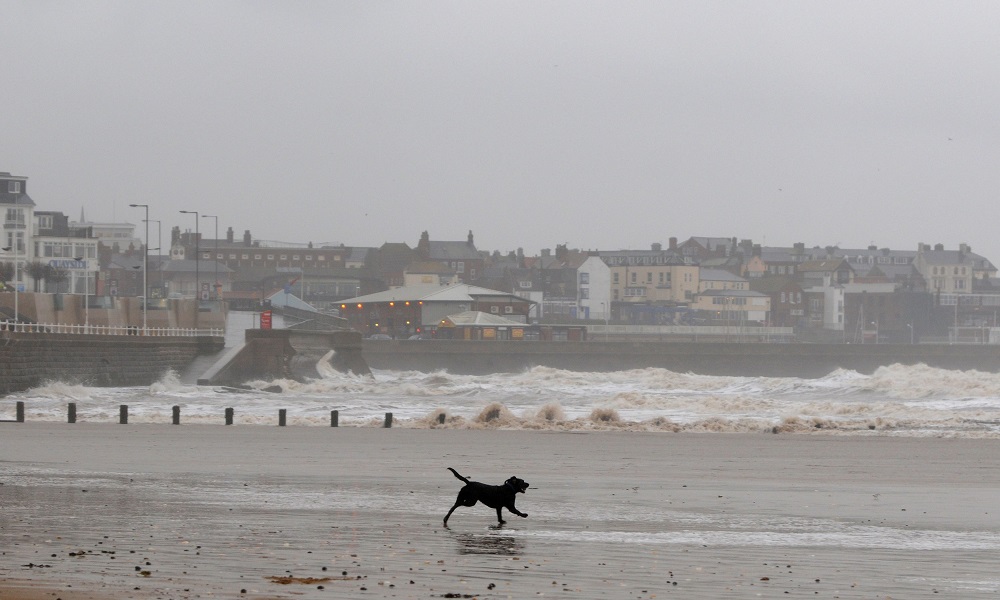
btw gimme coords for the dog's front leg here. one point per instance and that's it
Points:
(500, 516)
(514, 510)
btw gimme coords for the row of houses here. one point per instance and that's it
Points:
(865, 294)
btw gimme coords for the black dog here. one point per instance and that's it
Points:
(494, 496)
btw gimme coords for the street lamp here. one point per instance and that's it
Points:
(17, 276)
(197, 256)
(604, 309)
(159, 248)
(86, 292)
(145, 270)
(215, 284)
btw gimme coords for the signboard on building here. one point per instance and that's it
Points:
(265, 319)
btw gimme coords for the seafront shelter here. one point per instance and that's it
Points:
(418, 310)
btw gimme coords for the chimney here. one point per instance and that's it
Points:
(964, 248)
(657, 247)
(229, 235)
(247, 240)
(872, 247)
(471, 243)
(799, 248)
(756, 250)
(939, 247)
(546, 252)
(673, 243)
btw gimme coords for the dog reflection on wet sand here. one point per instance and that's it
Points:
(489, 544)
(494, 496)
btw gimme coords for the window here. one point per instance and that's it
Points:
(258, 256)
(246, 257)
(508, 310)
(584, 293)
(649, 277)
(461, 266)
(45, 222)
(633, 277)
(270, 257)
(783, 299)
(615, 277)
(584, 278)
(14, 187)
(283, 257)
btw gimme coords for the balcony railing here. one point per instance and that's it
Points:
(109, 329)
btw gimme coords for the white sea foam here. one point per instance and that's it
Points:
(898, 400)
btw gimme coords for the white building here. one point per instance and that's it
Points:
(593, 290)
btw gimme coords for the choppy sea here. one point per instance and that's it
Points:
(895, 400)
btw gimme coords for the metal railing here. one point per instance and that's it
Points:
(108, 329)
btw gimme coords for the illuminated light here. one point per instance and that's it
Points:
(359, 305)
(343, 306)
(407, 322)
(376, 324)
(407, 303)
(421, 303)
(392, 304)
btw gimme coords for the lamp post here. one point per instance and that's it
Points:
(86, 292)
(159, 243)
(17, 276)
(197, 254)
(215, 284)
(145, 270)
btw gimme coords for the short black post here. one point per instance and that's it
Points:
(388, 420)
(123, 414)
(441, 418)
(177, 415)
(229, 416)
(20, 412)
(71, 413)
(282, 412)
(334, 418)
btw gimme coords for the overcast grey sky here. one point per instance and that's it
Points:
(605, 125)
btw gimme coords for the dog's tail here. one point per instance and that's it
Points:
(459, 476)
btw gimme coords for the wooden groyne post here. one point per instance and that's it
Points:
(282, 414)
(71, 412)
(388, 420)
(123, 414)
(176, 415)
(19, 412)
(334, 418)
(229, 416)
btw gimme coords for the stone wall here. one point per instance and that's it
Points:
(287, 353)
(737, 359)
(28, 360)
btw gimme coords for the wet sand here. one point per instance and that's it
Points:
(93, 511)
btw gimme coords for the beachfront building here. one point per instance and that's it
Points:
(15, 237)
(406, 311)
(593, 290)
(733, 307)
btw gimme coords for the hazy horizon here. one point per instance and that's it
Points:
(599, 125)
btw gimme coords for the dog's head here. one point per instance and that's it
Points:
(519, 485)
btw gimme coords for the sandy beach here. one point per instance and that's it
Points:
(200, 511)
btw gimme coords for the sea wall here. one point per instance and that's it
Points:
(28, 360)
(287, 354)
(737, 359)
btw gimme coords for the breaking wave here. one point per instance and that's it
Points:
(912, 400)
